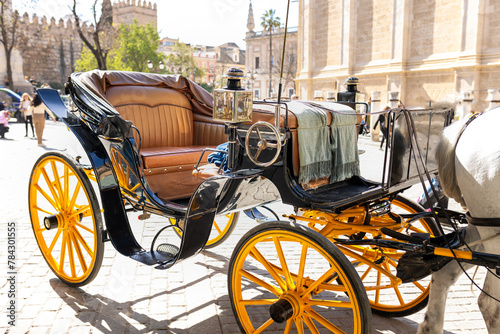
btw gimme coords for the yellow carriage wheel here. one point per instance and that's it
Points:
(286, 278)
(221, 229)
(377, 266)
(66, 218)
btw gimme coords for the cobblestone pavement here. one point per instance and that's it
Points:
(127, 297)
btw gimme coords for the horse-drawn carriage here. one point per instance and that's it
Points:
(352, 244)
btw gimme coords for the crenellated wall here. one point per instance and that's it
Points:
(127, 10)
(50, 47)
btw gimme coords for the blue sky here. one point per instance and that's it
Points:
(208, 22)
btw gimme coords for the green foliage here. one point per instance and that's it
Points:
(207, 87)
(56, 85)
(268, 21)
(138, 44)
(181, 61)
(87, 61)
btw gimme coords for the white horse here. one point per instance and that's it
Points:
(469, 171)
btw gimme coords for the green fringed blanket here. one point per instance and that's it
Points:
(326, 151)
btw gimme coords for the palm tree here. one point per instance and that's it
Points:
(269, 22)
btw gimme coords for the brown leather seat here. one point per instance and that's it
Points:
(169, 147)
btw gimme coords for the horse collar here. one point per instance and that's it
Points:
(471, 118)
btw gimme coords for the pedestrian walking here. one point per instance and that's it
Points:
(4, 120)
(25, 108)
(38, 110)
(383, 127)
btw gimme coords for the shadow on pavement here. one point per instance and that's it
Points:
(109, 316)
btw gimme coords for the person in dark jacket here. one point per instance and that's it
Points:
(382, 119)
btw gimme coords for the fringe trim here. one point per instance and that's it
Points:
(317, 170)
(345, 171)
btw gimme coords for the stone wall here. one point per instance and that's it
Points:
(427, 50)
(126, 11)
(49, 49)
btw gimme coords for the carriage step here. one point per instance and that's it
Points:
(167, 249)
(258, 216)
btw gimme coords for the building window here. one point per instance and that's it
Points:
(256, 93)
(292, 58)
(291, 92)
(272, 61)
(257, 62)
(236, 60)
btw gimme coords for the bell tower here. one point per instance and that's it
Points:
(250, 21)
(125, 11)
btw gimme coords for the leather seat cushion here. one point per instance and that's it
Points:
(157, 157)
(163, 116)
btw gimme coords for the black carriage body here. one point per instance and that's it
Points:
(113, 150)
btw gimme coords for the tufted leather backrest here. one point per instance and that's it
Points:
(163, 116)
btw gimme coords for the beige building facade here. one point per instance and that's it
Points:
(424, 51)
(258, 59)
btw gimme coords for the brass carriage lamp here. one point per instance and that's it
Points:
(233, 104)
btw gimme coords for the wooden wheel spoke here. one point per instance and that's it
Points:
(261, 283)
(217, 227)
(329, 303)
(66, 185)
(396, 288)
(299, 324)
(365, 274)
(78, 250)
(302, 265)
(310, 324)
(63, 252)
(57, 204)
(264, 326)
(286, 273)
(71, 255)
(288, 327)
(420, 286)
(85, 211)
(258, 256)
(75, 195)
(80, 225)
(398, 294)
(320, 280)
(54, 241)
(43, 210)
(254, 302)
(48, 198)
(82, 241)
(57, 182)
(327, 324)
